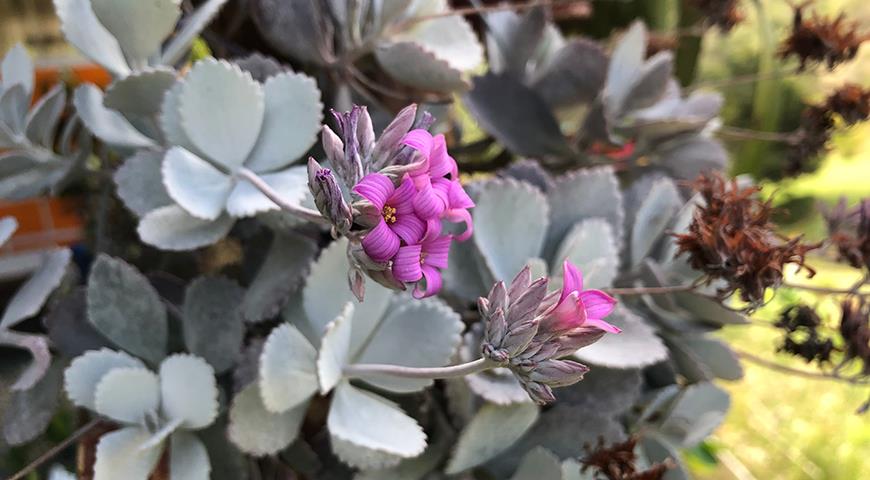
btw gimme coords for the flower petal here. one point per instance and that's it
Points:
(409, 228)
(402, 198)
(461, 215)
(457, 197)
(432, 281)
(601, 324)
(440, 162)
(433, 229)
(566, 315)
(381, 243)
(437, 251)
(597, 303)
(420, 140)
(573, 279)
(406, 264)
(375, 188)
(428, 204)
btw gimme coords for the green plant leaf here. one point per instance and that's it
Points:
(8, 226)
(29, 412)
(195, 184)
(188, 391)
(659, 449)
(246, 200)
(649, 86)
(591, 246)
(576, 74)
(139, 183)
(715, 354)
(85, 372)
(81, 28)
(334, 352)
(17, 69)
(637, 345)
(688, 158)
(213, 326)
(256, 430)
(288, 369)
(128, 394)
(44, 117)
(140, 27)
(696, 413)
(225, 131)
(170, 120)
(119, 456)
(32, 295)
(539, 464)
(281, 273)
(108, 125)
(450, 38)
(625, 64)
(126, 309)
(172, 228)
(191, 27)
(610, 391)
(414, 65)
(296, 28)
(291, 124)
(141, 93)
(492, 430)
(654, 215)
(188, 458)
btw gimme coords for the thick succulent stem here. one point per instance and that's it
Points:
(297, 210)
(453, 371)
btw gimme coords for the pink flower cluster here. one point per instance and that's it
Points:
(576, 307)
(408, 232)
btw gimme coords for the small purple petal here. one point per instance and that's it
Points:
(601, 324)
(402, 198)
(598, 304)
(406, 264)
(440, 162)
(428, 204)
(573, 279)
(381, 243)
(419, 140)
(375, 188)
(410, 228)
(437, 251)
(432, 279)
(566, 315)
(433, 229)
(457, 196)
(461, 215)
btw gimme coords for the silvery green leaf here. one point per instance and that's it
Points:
(658, 449)
(119, 455)
(8, 226)
(415, 468)
(688, 158)
(170, 120)
(449, 38)
(682, 220)
(82, 29)
(85, 372)
(37, 346)
(108, 125)
(261, 67)
(573, 470)
(334, 351)
(22, 177)
(296, 28)
(610, 391)
(649, 86)
(654, 215)
(213, 326)
(191, 27)
(188, 458)
(575, 74)
(625, 64)
(30, 298)
(413, 65)
(43, 118)
(17, 69)
(591, 246)
(580, 195)
(14, 102)
(525, 125)
(200, 188)
(504, 208)
(539, 464)
(531, 172)
(430, 325)
(256, 430)
(140, 93)
(696, 413)
(288, 370)
(517, 37)
(29, 412)
(492, 430)
(637, 345)
(463, 278)
(280, 274)
(128, 394)
(227, 461)
(708, 310)
(188, 391)
(126, 309)
(292, 121)
(172, 228)
(139, 182)
(140, 27)
(366, 422)
(57, 472)
(498, 385)
(225, 131)
(246, 200)
(721, 361)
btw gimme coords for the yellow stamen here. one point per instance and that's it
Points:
(389, 214)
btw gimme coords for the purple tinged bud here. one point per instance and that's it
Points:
(575, 340)
(496, 328)
(365, 134)
(540, 393)
(357, 281)
(349, 166)
(425, 121)
(525, 306)
(386, 278)
(390, 140)
(483, 307)
(332, 145)
(328, 197)
(558, 373)
(519, 336)
(498, 297)
(520, 283)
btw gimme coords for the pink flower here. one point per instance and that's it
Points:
(421, 263)
(398, 221)
(578, 308)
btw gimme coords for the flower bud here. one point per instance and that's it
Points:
(365, 134)
(558, 373)
(540, 393)
(328, 197)
(357, 282)
(520, 283)
(524, 304)
(389, 142)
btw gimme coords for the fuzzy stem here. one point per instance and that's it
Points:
(298, 210)
(650, 290)
(778, 367)
(51, 453)
(366, 369)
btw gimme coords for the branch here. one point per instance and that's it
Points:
(363, 370)
(298, 210)
(51, 453)
(747, 134)
(650, 290)
(778, 367)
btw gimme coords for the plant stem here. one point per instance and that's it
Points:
(776, 366)
(367, 369)
(298, 210)
(55, 450)
(650, 290)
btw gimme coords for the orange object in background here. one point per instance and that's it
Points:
(49, 76)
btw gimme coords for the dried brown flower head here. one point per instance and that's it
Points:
(855, 329)
(821, 40)
(619, 461)
(731, 238)
(803, 339)
(722, 13)
(850, 233)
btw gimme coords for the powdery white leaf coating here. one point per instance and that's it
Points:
(246, 200)
(8, 226)
(195, 184)
(27, 413)
(334, 350)
(172, 228)
(226, 130)
(654, 215)
(637, 346)
(141, 93)
(188, 458)
(414, 65)
(292, 121)
(108, 125)
(625, 62)
(188, 391)
(697, 412)
(17, 69)
(139, 26)
(492, 430)
(43, 118)
(170, 120)
(191, 28)
(366, 421)
(590, 246)
(539, 464)
(128, 394)
(85, 372)
(82, 29)
(288, 370)
(139, 183)
(119, 455)
(510, 221)
(30, 298)
(213, 327)
(256, 430)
